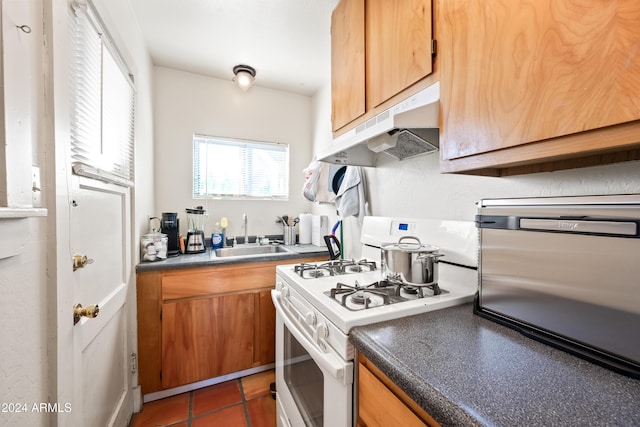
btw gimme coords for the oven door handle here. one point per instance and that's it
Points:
(329, 362)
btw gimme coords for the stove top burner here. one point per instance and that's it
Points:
(312, 271)
(359, 295)
(360, 299)
(356, 297)
(333, 268)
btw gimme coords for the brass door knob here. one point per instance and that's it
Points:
(79, 261)
(80, 311)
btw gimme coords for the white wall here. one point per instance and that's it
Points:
(23, 291)
(23, 324)
(187, 103)
(416, 188)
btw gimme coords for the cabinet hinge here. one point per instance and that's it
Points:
(434, 47)
(134, 363)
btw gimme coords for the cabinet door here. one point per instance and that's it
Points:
(207, 337)
(149, 304)
(265, 329)
(347, 62)
(518, 72)
(398, 46)
(378, 406)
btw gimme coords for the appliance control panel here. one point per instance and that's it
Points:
(401, 228)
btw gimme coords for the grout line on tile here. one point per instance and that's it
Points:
(244, 403)
(191, 399)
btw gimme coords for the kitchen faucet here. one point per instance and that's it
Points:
(246, 232)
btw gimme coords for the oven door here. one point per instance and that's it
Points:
(314, 385)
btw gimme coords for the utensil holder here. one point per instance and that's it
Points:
(289, 232)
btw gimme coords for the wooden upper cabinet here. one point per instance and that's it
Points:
(514, 73)
(347, 62)
(398, 46)
(379, 48)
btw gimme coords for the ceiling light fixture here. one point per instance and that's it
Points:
(244, 76)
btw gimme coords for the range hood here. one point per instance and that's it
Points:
(406, 130)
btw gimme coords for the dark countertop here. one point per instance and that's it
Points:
(465, 370)
(208, 259)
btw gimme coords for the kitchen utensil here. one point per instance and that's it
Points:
(411, 261)
(196, 219)
(289, 233)
(333, 245)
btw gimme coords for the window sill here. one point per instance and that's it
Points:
(17, 213)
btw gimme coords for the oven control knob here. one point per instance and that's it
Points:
(322, 331)
(310, 318)
(285, 292)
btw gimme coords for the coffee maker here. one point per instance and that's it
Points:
(196, 219)
(170, 225)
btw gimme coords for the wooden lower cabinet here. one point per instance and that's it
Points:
(264, 329)
(381, 403)
(200, 323)
(206, 337)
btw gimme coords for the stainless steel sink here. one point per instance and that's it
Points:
(250, 250)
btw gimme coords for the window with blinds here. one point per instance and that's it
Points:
(239, 169)
(102, 102)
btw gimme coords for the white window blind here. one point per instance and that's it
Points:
(102, 115)
(239, 169)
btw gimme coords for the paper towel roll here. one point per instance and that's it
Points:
(304, 237)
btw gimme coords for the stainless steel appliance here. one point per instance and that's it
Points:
(196, 219)
(317, 305)
(566, 271)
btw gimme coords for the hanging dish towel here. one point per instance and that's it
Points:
(350, 200)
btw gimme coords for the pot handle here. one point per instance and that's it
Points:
(416, 241)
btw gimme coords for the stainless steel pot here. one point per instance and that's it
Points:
(410, 261)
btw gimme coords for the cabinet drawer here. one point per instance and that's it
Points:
(217, 280)
(202, 281)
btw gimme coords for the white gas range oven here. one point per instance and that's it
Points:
(318, 304)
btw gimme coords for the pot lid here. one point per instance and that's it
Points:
(410, 244)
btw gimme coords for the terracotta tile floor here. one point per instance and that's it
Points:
(237, 403)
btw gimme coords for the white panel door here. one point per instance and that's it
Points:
(97, 384)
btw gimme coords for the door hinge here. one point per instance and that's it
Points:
(134, 363)
(434, 47)
(160, 375)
